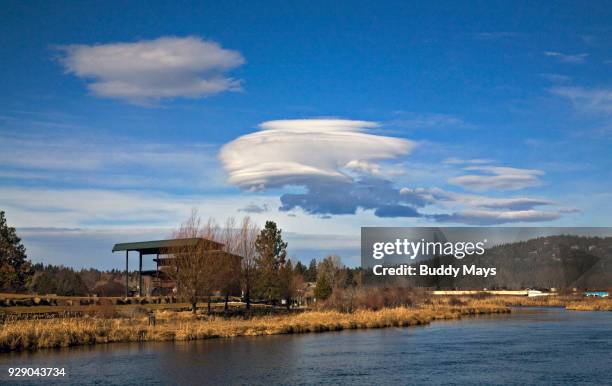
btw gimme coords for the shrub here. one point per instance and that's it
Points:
(374, 298)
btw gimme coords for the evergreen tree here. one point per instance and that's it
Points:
(270, 244)
(287, 283)
(311, 272)
(60, 280)
(271, 251)
(323, 289)
(300, 269)
(15, 269)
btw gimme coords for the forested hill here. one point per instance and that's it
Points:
(546, 262)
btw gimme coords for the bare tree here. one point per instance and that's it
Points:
(246, 248)
(332, 269)
(228, 264)
(198, 270)
(193, 267)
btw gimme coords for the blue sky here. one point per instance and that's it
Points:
(117, 118)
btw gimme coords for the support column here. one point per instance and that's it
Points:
(140, 273)
(157, 279)
(127, 276)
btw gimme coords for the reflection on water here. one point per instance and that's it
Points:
(529, 346)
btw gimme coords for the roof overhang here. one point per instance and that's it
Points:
(162, 246)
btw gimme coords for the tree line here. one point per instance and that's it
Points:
(254, 266)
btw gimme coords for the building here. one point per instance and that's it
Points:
(158, 281)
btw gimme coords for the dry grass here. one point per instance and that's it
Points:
(591, 304)
(112, 325)
(125, 309)
(34, 334)
(575, 303)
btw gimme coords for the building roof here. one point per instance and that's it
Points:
(161, 246)
(215, 253)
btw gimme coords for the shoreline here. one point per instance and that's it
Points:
(30, 335)
(60, 333)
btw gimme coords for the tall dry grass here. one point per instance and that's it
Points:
(590, 304)
(35, 334)
(569, 302)
(109, 325)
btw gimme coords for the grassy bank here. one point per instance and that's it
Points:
(115, 324)
(590, 305)
(171, 326)
(574, 303)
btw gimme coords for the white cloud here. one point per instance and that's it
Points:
(62, 207)
(594, 100)
(302, 151)
(460, 161)
(567, 58)
(411, 120)
(106, 162)
(364, 166)
(496, 177)
(336, 161)
(338, 164)
(488, 217)
(255, 208)
(440, 196)
(482, 210)
(149, 70)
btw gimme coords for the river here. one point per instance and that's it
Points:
(529, 346)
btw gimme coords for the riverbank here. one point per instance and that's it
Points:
(180, 326)
(590, 305)
(528, 346)
(572, 303)
(172, 325)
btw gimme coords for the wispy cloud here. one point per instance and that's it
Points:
(255, 208)
(103, 162)
(496, 177)
(567, 58)
(486, 217)
(556, 78)
(411, 120)
(482, 210)
(149, 70)
(437, 195)
(587, 99)
(112, 208)
(461, 161)
(496, 35)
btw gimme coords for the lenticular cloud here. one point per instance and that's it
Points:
(306, 152)
(340, 164)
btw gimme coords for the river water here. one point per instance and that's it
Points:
(529, 346)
